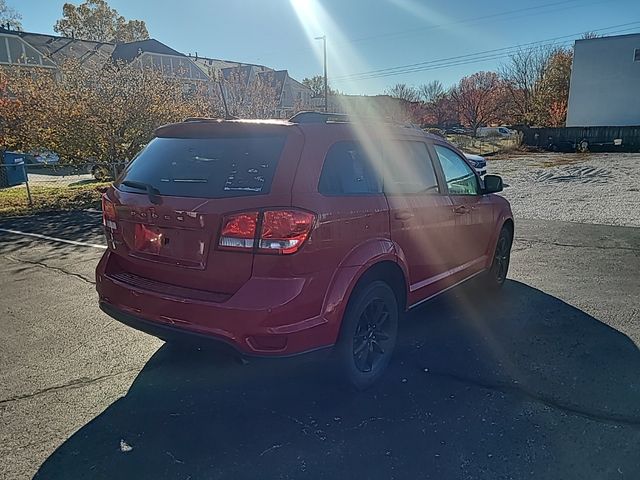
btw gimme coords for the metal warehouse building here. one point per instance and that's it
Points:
(605, 82)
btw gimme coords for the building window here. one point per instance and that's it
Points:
(636, 56)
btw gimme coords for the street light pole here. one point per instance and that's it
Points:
(326, 89)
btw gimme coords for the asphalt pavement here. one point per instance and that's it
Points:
(541, 381)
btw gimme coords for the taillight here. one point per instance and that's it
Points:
(239, 231)
(282, 232)
(109, 215)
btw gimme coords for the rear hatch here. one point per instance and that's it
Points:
(170, 202)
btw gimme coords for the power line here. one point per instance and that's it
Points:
(537, 10)
(514, 47)
(470, 20)
(472, 57)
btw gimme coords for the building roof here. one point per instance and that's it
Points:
(129, 51)
(609, 37)
(221, 63)
(58, 49)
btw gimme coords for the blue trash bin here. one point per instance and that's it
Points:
(13, 169)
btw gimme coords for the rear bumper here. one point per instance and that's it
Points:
(256, 321)
(167, 333)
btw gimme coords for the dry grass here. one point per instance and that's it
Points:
(14, 201)
(486, 145)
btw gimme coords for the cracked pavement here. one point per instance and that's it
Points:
(542, 381)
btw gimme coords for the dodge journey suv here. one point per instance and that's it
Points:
(277, 238)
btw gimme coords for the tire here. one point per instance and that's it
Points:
(100, 173)
(583, 146)
(368, 335)
(497, 273)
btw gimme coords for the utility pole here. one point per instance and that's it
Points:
(326, 88)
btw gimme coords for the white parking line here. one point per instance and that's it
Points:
(53, 239)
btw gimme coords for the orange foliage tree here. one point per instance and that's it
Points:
(479, 99)
(104, 115)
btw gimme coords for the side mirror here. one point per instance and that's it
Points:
(492, 184)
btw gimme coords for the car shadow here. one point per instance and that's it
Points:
(516, 385)
(79, 226)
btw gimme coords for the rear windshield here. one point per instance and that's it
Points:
(206, 167)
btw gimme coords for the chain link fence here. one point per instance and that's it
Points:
(30, 187)
(486, 145)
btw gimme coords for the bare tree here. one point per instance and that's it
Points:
(437, 103)
(403, 92)
(432, 92)
(590, 35)
(316, 84)
(523, 74)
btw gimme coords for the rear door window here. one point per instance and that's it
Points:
(206, 167)
(408, 169)
(348, 170)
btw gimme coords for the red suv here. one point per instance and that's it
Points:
(278, 238)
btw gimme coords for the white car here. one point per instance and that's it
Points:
(478, 163)
(502, 132)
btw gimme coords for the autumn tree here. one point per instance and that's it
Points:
(95, 20)
(107, 114)
(479, 99)
(9, 16)
(104, 115)
(553, 98)
(538, 84)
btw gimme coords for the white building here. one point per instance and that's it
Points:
(605, 82)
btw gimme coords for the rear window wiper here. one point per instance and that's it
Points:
(152, 192)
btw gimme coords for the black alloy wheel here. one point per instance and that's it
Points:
(368, 334)
(501, 257)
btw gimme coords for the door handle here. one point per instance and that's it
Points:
(461, 209)
(403, 215)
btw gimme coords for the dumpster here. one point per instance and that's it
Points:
(12, 170)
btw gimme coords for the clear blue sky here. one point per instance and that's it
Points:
(363, 35)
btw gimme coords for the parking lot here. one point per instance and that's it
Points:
(541, 381)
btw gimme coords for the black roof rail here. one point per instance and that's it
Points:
(319, 117)
(322, 117)
(209, 119)
(202, 119)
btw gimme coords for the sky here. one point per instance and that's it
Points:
(370, 43)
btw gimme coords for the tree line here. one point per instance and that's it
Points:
(530, 88)
(108, 114)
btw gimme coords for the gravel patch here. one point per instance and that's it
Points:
(601, 188)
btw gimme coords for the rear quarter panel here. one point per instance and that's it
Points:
(501, 214)
(351, 231)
